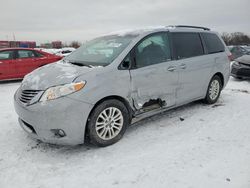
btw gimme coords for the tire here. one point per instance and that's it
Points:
(213, 90)
(239, 78)
(107, 123)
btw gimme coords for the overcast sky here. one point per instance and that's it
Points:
(68, 20)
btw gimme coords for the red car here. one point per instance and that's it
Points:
(15, 63)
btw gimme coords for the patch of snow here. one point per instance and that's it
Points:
(67, 70)
(56, 50)
(136, 31)
(195, 145)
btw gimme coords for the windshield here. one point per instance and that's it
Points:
(100, 51)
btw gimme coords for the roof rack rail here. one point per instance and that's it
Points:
(190, 26)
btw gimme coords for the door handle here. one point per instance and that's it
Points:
(171, 68)
(183, 66)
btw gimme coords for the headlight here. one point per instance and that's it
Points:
(62, 90)
(236, 63)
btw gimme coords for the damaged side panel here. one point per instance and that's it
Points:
(153, 87)
(151, 102)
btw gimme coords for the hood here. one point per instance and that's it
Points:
(243, 59)
(53, 74)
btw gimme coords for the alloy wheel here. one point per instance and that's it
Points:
(109, 123)
(214, 89)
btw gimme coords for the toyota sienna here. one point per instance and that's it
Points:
(97, 91)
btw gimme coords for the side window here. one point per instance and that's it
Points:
(187, 45)
(152, 50)
(25, 54)
(213, 43)
(4, 55)
(38, 54)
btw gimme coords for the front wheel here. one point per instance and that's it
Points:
(214, 90)
(108, 122)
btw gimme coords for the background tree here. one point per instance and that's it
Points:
(65, 44)
(75, 44)
(226, 37)
(236, 38)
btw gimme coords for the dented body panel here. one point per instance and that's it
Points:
(154, 82)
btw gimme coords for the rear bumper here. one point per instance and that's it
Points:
(40, 120)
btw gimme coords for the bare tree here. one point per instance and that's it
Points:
(75, 44)
(236, 38)
(65, 44)
(226, 37)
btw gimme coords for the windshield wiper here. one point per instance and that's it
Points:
(83, 63)
(79, 63)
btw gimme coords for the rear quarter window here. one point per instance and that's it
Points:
(213, 43)
(38, 54)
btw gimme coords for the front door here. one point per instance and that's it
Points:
(154, 78)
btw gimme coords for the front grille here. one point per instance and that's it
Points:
(27, 95)
(241, 71)
(244, 72)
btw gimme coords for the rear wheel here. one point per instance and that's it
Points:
(214, 90)
(107, 123)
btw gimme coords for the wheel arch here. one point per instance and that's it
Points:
(119, 98)
(221, 77)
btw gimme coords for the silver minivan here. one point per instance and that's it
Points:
(96, 92)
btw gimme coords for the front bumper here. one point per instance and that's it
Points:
(40, 120)
(240, 71)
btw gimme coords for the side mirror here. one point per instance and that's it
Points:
(125, 64)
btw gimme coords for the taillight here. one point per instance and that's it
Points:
(230, 57)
